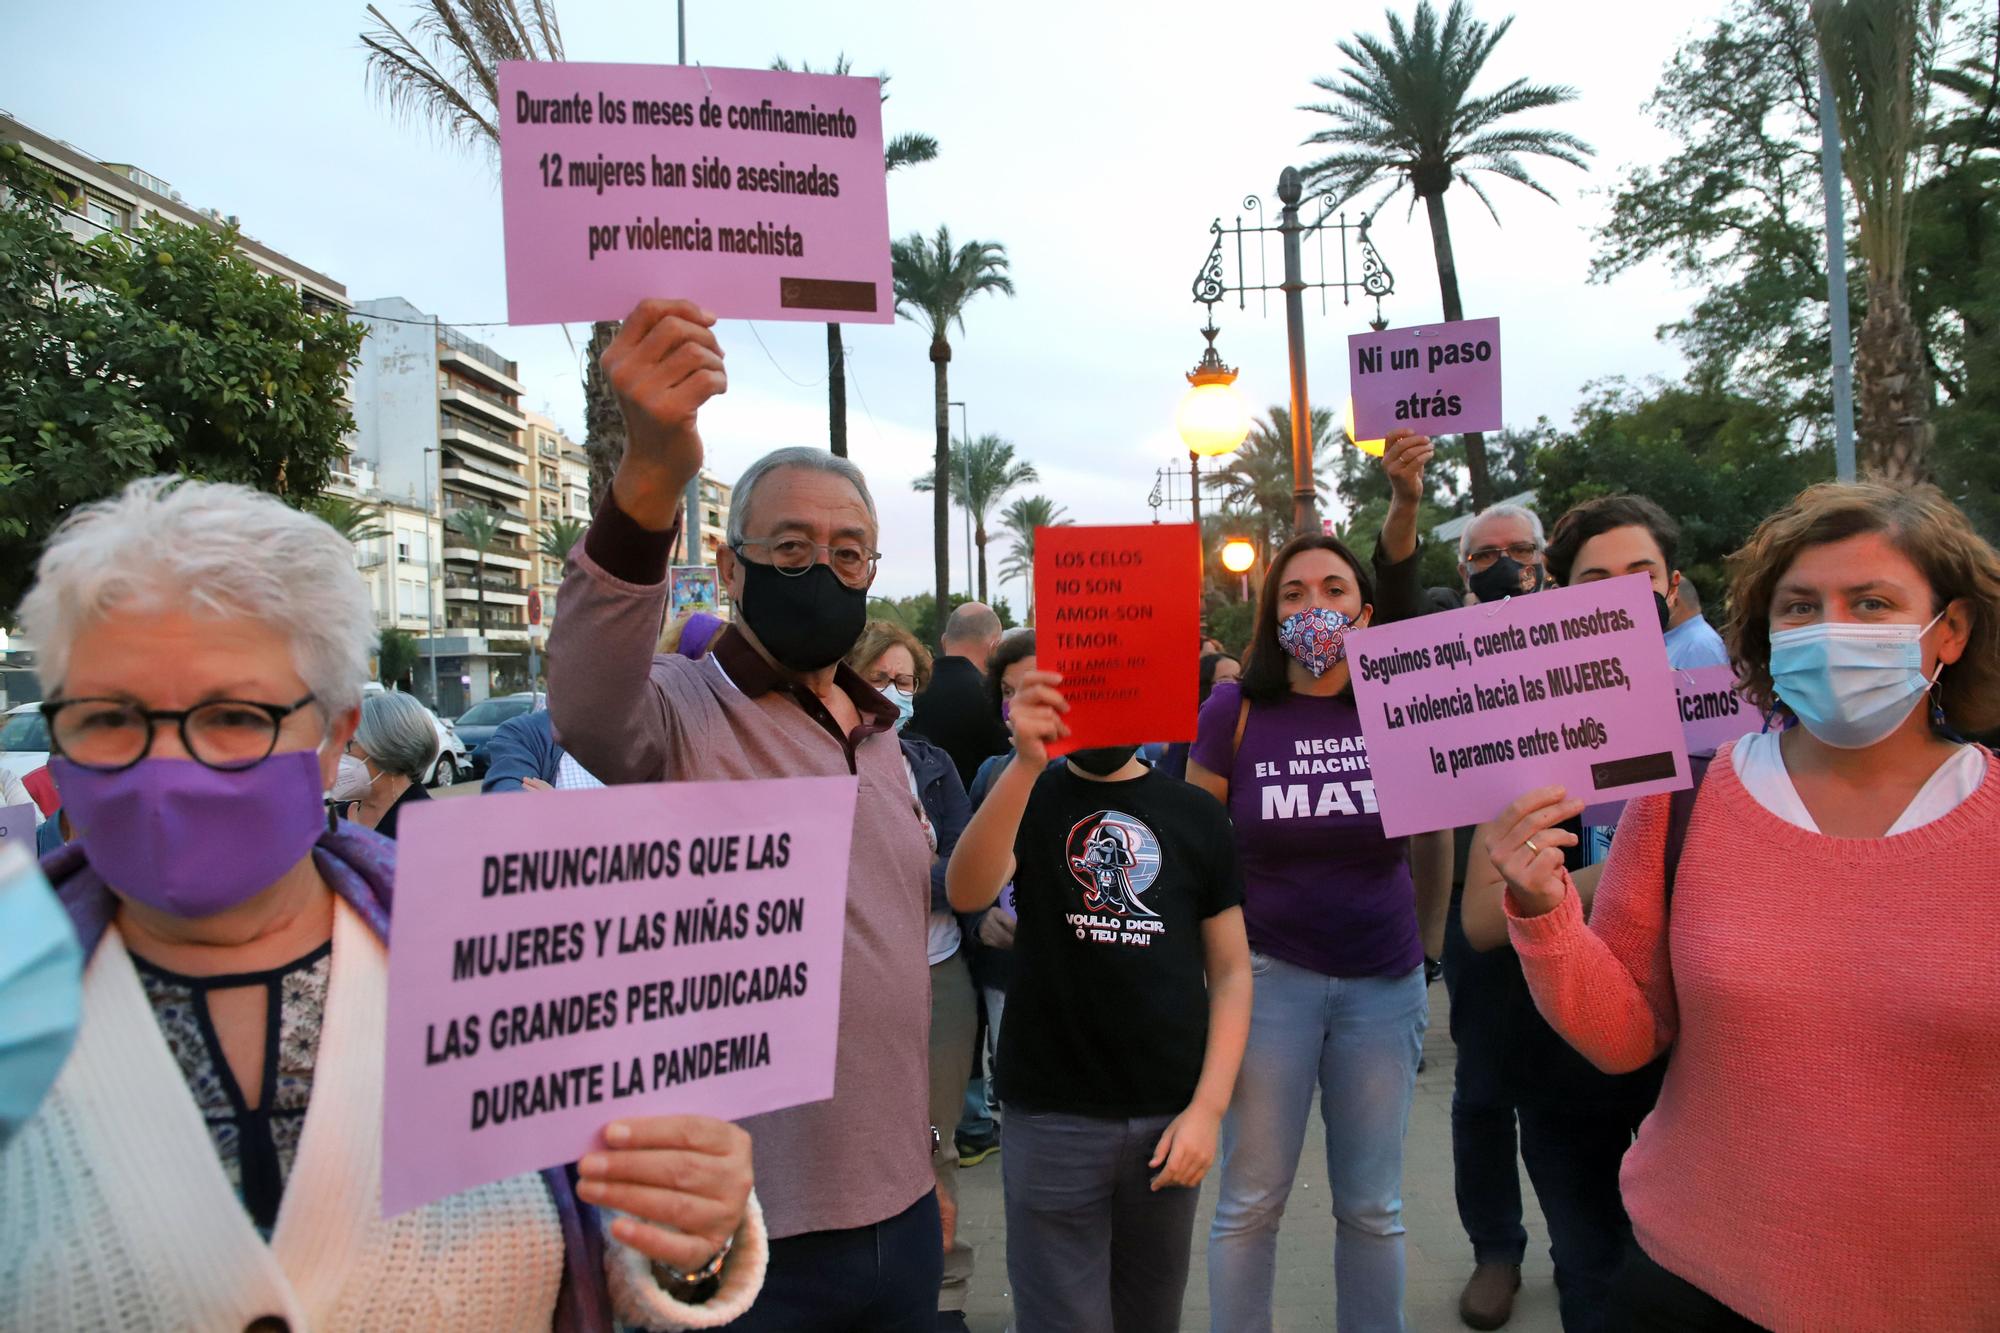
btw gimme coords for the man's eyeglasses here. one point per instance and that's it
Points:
(114, 734)
(882, 680)
(1521, 553)
(851, 562)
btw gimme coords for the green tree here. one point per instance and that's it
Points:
(934, 283)
(1404, 111)
(396, 659)
(444, 72)
(1257, 479)
(159, 351)
(1878, 56)
(918, 614)
(986, 471)
(559, 535)
(357, 521)
(1018, 521)
(479, 526)
(1717, 461)
(902, 150)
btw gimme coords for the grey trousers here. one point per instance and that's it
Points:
(954, 1022)
(1091, 1247)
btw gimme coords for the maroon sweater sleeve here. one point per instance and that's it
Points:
(625, 550)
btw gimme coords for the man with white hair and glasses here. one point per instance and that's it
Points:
(846, 1183)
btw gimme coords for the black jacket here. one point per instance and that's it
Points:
(954, 715)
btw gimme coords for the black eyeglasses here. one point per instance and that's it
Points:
(851, 562)
(110, 735)
(1521, 553)
(882, 680)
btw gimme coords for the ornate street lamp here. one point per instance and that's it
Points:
(1213, 419)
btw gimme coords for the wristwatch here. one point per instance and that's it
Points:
(697, 1285)
(1433, 969)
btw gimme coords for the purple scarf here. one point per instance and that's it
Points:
(360, 865)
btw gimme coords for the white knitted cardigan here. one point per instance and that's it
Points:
(115, 1212)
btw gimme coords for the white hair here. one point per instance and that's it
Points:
(1498, 511)
(215, 550)
(798, 455)
(398, 734)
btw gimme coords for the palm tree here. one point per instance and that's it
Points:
(1258, 479)
(479, 526)
(986, 471)
(445, 70)
(905, 150)
(934, 283)
(353, 519)
(1019, 521)
(559, 535)
(1404, 110)
(1878, 56)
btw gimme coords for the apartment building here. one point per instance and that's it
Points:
(439, 422)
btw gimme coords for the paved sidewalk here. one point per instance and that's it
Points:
(1439, 1258)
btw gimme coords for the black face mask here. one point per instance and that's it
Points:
(805, 623)
(1506, 577)
(1104, 760)
(1666, 612)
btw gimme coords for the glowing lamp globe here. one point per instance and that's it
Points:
(1238, 555)
(1213, 419)
(1374, 447)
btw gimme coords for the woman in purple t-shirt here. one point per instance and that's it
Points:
(1338, 962)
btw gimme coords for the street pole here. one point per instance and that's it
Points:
(691, 500)
(1836, 280)
(1194, 489)
(965, 479)
(1304, 507)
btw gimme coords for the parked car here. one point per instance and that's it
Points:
(477, 724)
(454, 761)
(24, 739)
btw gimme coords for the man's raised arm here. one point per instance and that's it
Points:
(608, 711)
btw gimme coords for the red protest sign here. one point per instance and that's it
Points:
(1118, 613)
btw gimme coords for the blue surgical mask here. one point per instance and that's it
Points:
(41, 987)
(906, 705)
(1851, 685)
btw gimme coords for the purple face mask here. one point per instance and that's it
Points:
(190, 840)
(1316, 638)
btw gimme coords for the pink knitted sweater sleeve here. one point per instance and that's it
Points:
(1607, 986)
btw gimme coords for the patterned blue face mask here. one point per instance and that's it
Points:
(1315, 638)
(41, 987)
(1851, 685)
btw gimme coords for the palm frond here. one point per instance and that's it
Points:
(906, 150)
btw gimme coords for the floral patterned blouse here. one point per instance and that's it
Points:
(257, 1145)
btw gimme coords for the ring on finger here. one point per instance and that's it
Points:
(1533, 850)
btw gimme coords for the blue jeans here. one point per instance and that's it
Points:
(1358, 1039)
(1092, 1247)
(981, 1115)
(874, 1279)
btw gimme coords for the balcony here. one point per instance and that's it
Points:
(456, 550)
(471, 398)
(469, 434)
(474, 357)
(483, 478)
(467, 590)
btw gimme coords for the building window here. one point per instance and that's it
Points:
(103, 214)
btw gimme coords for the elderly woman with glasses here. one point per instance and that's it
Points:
(210, 1156)
(396, 744)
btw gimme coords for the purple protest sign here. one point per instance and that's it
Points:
(1439, 379)
(1465, 710)
(1712, 714)
(562, 959)
(17, 824)
(755, 193)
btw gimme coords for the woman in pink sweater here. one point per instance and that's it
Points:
(1822, 1154)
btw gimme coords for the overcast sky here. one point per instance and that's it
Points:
(1095, 140)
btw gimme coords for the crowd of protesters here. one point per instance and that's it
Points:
(1742, 1041)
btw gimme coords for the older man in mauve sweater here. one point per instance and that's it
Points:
(846, 1184)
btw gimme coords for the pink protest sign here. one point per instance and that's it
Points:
(755, 193)
(1465, 710)
(562, 959)
(17, 824)
(1712, 714)
(1438, 379)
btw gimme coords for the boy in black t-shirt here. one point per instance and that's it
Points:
(1126, 1018)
